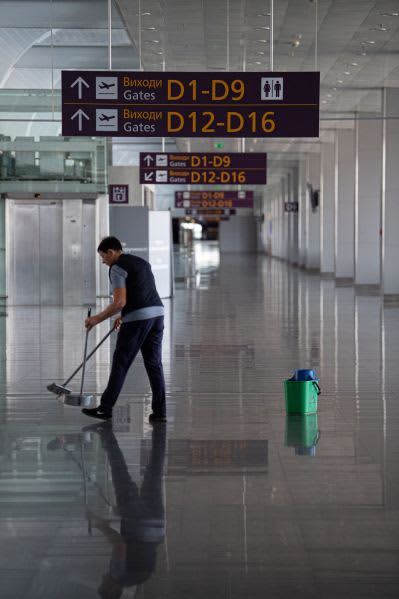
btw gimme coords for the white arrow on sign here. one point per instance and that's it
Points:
(80, 114)
(79, 81)
(148, 159)
(148, 176)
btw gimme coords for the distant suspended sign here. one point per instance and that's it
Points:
(158, 104)
(214, 199)
(203, 168)
(290, 206)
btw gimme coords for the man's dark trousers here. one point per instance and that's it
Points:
(145, 335)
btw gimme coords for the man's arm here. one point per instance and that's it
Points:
(119, 301)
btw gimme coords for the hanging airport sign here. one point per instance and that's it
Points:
(158, 104)
(118, 194)
(214, 199)
(290, 206)
(210, 212)
(202, 168)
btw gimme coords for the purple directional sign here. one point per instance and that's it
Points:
(290, 206)
(158, 104)
(202, 168)
(214, 199)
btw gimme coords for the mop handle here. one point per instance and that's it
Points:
(85, 355)
(93, 351)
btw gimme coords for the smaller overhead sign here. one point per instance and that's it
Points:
(118, 194)
(203, 168)
(290, 206)
(214, 199)
(209, 212)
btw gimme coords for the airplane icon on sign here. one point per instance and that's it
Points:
(104, 117)
(104, 85)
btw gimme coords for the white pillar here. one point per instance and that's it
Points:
(345, 204)
(294, 257)
(390, 193)
(302, 221)
(284, 220)
(274, 224)
(288, 216)
(327, 205)
(280, 200)
(368, 183)
(313, 215)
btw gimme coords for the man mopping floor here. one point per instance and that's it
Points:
(140, 327)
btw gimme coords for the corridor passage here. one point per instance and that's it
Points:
(231, 499)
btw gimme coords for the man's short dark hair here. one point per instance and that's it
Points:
(110, 243)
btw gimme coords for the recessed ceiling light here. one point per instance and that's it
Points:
(145, 14)
(262, 41)
(261, 53)
(354, 64)
(153, 41)
(328, 95)
(149, 28)
(370, 41)
(389, 14)
(324, 101)
(265, 27)
(257, 62)
(339, 81)
(263, 14)
(347, 72)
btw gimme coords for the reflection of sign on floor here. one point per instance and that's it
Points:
(272, 88)
(212, 457)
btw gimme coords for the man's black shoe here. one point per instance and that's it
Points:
(97, 413)
(154, 418)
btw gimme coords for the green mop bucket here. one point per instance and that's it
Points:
(301, 396)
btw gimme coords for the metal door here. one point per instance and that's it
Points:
(23, 253)
(51, 253)
(34, 251)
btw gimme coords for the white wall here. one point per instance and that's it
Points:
(239, 234)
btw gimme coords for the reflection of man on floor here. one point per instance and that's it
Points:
(142, 528)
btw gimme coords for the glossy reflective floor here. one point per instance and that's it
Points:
(231, 499)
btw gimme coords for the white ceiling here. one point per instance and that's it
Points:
(357, 47)
(357, 50)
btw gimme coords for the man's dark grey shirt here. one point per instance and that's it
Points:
(142, 299)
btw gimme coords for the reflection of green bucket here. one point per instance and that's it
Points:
(301, 396)
(301, 430)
